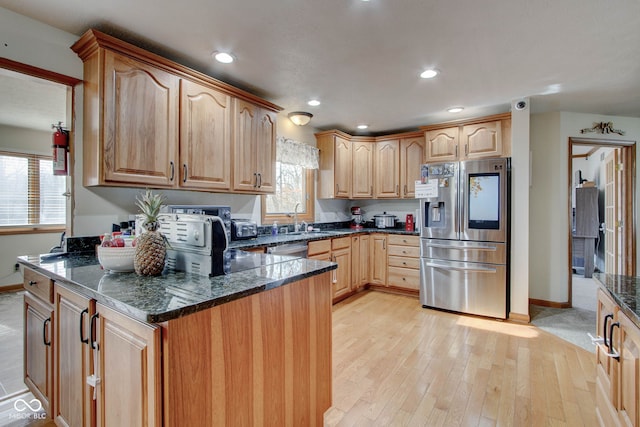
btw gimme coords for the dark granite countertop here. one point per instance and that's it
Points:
(173, 294)
(285, 238)
(625, 291)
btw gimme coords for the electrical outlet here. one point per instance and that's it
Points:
(16, 267)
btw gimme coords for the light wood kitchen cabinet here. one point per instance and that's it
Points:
(319, 250)
(362, 169)
(128, 365)
(39, 340)
(403, 254)
(442, 144)
(39, 347)
(335, 173)
(341, 254)
(378, 259)
(139, 132)
(254, 149)
(387, 169)
(150, 122)
(411, 158)
(469, 139)
(205, 137)
(359, 261)
(629, 403)
(74, 399)
(607, 368)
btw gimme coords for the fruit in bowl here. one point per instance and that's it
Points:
(118, 259)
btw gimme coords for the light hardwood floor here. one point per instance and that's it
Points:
(398, 364)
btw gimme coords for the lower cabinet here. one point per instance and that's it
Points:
(127, 364)
(403, 257)
(378, 257)
(341, 254)
(39, 321)
(617, 366)
(74, 405)
(360, 261)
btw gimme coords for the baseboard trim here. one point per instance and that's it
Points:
(551, 304)
(11, 288)
(519, 317)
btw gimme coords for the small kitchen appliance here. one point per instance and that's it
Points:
(356, 218)
(224, 212)
(408, 225)
(242, 229)
(385, 220)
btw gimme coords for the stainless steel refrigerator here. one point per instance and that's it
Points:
(464, 230)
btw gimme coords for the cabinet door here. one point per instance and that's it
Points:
(74, 402)
(411, 158)
(342, 277)
(129, 368)
(140, 123)
(343, 166)
(39, 350)
(362, 170)
(442, 145)
(482, 140)
(355, 262)
(266, 151)
(205, 137)
(378, 259)
(387, 166)
(245, 177)
(364, 262)
(629, 409)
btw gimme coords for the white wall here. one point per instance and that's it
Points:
(549, 217)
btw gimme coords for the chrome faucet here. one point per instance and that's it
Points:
(296, 228)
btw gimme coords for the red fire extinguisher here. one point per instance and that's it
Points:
(60, 150)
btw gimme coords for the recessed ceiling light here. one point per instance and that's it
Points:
(314, 102)
(455, 109)
(363, 126)
(224, 57)
(429, 74)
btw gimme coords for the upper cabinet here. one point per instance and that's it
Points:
(254, 149)
(150, 122)
(387, 166)
(362, 169)
(411, 158)
(336, 167)
(471, 139)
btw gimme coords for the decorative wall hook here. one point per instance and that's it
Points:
(602, 127)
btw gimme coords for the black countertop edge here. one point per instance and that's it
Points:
(284, 238)
(625, 291)
(174, 294)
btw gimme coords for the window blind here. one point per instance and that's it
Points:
(29, 192)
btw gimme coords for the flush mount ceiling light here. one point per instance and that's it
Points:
(429, 74)
(363, 126)
(224, 57)
(314, 102)
(455, 109)
(300, 118)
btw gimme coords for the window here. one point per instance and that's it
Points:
(295, 162)
(294, 187)
(30, 194)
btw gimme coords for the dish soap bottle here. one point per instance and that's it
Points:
(274, 228)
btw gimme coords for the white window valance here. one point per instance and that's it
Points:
(296, 153)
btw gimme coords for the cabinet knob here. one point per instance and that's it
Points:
(32, 282)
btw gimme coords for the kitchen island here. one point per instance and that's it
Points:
(248, 348)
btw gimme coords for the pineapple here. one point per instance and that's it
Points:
(151, 246)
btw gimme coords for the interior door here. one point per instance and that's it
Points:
(611, 238)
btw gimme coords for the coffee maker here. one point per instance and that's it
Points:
(356, 218)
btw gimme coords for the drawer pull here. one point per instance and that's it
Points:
(44, 332)
(404, 263)
(92, 331)
(32, 282)
(82, 338)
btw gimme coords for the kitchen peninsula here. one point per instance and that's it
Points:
(249, 348)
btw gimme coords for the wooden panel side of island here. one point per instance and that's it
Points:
(260, 360)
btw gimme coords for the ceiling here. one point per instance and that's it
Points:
(362, 59)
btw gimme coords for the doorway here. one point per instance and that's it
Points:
(601, 208)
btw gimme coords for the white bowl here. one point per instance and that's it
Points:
(116, 259)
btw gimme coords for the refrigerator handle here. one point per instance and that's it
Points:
(465, 269)
(479, 248)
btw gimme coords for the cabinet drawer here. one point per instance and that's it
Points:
(404, 262)
(38, 284)
(403, 278)
(319, 247)
(341, 243)
(405, 251)
(397, 239)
